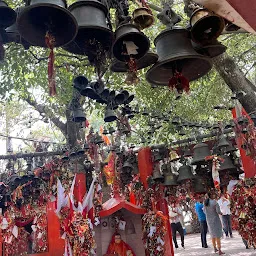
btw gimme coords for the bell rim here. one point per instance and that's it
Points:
(110, 120)
(160, 63)
(73, 48)
(20, 18)
(11, 13)
(123, 67)
(87, 2)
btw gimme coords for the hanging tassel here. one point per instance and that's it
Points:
(179, 82)
(132, 77)
(50, 41)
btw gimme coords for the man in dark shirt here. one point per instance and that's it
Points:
(202, 219)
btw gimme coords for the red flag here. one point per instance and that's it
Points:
(88, 202)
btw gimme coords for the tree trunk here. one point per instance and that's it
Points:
(236, 80)
(73, 133)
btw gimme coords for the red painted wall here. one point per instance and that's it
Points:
(247, 9)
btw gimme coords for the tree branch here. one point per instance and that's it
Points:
(39, 59)
(42, 109)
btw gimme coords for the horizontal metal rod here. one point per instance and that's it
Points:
(194, 139)
(31, 155)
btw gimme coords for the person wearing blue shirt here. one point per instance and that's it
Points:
(202, 219)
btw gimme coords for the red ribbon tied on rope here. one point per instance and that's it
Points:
(50, 41)
(179, 82)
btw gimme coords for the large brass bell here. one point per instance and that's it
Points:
(185, 173)
(176, 53)
(129, 34)
(7, 15)
(201, 151)
(128, 165)
(198, 185)
(78, 116)
(147, 60)
(143, 18)
(227, 165)
(205, 26)
(47, 16)
(110, 115)
(91, 16)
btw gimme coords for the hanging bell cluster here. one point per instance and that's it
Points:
(97, 91)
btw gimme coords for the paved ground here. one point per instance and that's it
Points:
(232, 247)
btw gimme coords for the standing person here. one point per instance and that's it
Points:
(212, 211)
(175, 213)
(224, 204)
(202, 220)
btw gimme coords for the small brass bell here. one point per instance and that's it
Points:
(105, 132)
(173, 156)
(223, 143)
(90, 92)
(231, 26)
(157, 176)
(80, 151)
(227, 165)
(205, 26)
(187, 153)
(157, 156)
(80, 83)
(119, 98)
(128, 36)
(86, 146)
(111, 130)
(127, 165)
(185, 173)
(110, 115)
(212, 50)
(201, 151)
(7, 15)
(230, 148)
(170, 179)
(198, 185)
(78, 116)
(143, 17)
(98, 139)
(41, 17)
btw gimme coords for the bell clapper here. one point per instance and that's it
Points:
(178, 83)
(132, 77)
